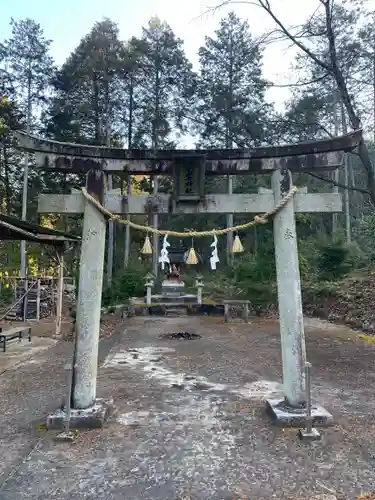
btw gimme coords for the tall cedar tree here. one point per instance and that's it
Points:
(27, 65)
(25, 69)
(88, 88)
(10, 120)
(164, 92)
(231, 88)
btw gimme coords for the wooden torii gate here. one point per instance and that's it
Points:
(188, 169)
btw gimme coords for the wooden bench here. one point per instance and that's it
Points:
(230, 303)
(14, 333)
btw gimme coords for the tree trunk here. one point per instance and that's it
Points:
(373, 92)
(95, 106)
(335, 173)
(26, 174)
(8, 190)
(111, 236)
(155, 145)
(229, 144)
(348, 231)
(127, 234)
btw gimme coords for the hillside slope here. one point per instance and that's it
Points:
(350, 301)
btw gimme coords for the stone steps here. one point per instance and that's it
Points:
(176, 312)
(178, 297)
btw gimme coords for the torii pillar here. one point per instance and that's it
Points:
(86, 410)
(290, 410)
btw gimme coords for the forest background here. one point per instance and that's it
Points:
(143, 92)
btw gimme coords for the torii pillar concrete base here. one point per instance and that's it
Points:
(91, 418)
(284, 415)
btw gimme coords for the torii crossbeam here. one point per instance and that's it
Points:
(75, 158)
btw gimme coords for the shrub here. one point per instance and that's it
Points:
(263, 296)
(129, 284)
(255, 268)
(333, 261)
(108, 297)
(255, 276)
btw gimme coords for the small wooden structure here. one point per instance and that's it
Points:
(14, 333)
(12, 228)
(177, 258)
(177, 255)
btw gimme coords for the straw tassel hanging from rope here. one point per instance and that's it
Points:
(237, 245)
(147, 247)
(192, 258)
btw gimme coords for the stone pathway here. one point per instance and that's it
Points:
(190, 422)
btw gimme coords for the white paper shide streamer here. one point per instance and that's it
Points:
(164, 259)
(214, 259)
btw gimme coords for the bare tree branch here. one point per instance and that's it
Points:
(338, 184)
(333, 67)
(302, 84)
(214, 128)
(265, 5)
(306, 125)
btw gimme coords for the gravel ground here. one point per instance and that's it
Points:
(29, 391)
(190, 420)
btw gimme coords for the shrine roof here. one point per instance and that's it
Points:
(13, 228)
(176, 255)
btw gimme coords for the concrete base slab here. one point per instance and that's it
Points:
(286, 416)
(305, 435)
(90, 418)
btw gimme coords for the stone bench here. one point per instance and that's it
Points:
(14, 333)
(230, 304)
(144, 309)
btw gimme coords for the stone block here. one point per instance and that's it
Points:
(286, 416)
(307, 436)
(90, 418)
